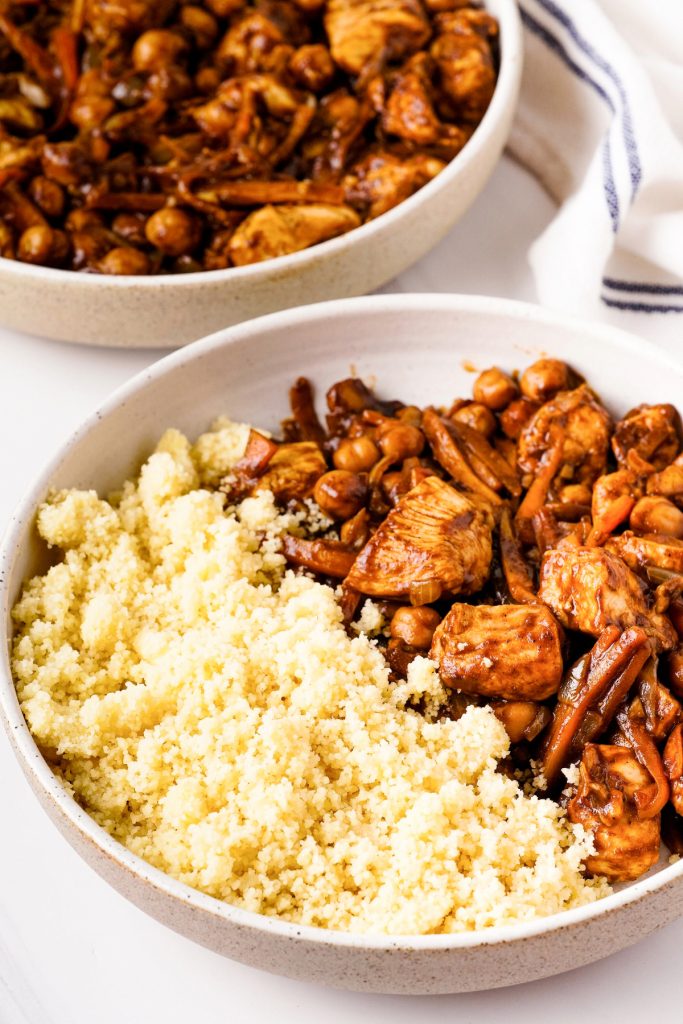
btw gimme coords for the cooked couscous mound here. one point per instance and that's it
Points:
(207, 707)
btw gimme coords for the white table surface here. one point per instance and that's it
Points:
(72, 951)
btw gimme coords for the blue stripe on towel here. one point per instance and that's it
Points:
(630, 144)
(553, 43)
(640, 307)
(642, 288)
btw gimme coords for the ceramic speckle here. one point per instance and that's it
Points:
(170, 310)
(414, 346)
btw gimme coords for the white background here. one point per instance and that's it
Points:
(74, 952)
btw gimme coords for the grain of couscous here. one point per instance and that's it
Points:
(207, 707)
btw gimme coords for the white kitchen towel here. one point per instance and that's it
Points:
(600, 124)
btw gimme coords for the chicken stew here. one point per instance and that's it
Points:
(532, 547)
(141, 137)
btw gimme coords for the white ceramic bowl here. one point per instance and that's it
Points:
(170, 310)
(415, 347)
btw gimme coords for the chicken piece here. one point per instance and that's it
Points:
(278, 230)
(590, 695)
(107, 18)
(523, 719)
(365, 34)
(462, 52)
(660, 708)
(590, 588)
(584, 426)
(248, 45)
(650, 550)
(626, 846)
(669, 481)
(290, 471)
(327, 557)
(511, 651)
(382, 179)
(672, 759)
(652, 431)
(435, 537)
(409, 111)
(293, 471)
(448, 452)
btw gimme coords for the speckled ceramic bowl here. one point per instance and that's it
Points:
(171, 310)
(416, 347)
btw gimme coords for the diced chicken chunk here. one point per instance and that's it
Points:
(585, 427)
(669, 481)
(293, 471)
(382, 179)
(364, 34)
(649, 430)
(664, 553)
(434, 536)
(509, 651)
(590, 588)
(625, 846)
(462, 52)
(278, 230)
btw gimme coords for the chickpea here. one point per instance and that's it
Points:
(123, 261)
(654, 514)
(130, 227)
(201, 24)
(340, 494)
(518, 413)
(89, 247)
(48, 195)
(312, 67)
(83, 220)
(476, 416)
(356, 454)
(576, 494)
(494, 389)
(400, 441)
(545, 378)
(173, 231)
(43, 245)
(415, 626)
(224, 8)
(157, 48)
(207, 80)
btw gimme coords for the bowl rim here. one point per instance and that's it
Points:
(504, 98)
(54, 792)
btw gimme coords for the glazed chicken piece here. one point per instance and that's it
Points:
(589, 588)
(651, 431)
(382, 179)
(290, 471)
(252, 44)
(365, 34)
(669, 481)
(435, 541)
(626, 845)
(409, 111)
(650, 550)
(583, 427)
(107, 18)
(462, 52)
(278, 230)
(508, 651)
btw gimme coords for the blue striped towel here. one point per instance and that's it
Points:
(600, 124)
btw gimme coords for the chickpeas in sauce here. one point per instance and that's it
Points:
(226, 132)
(531, 547)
